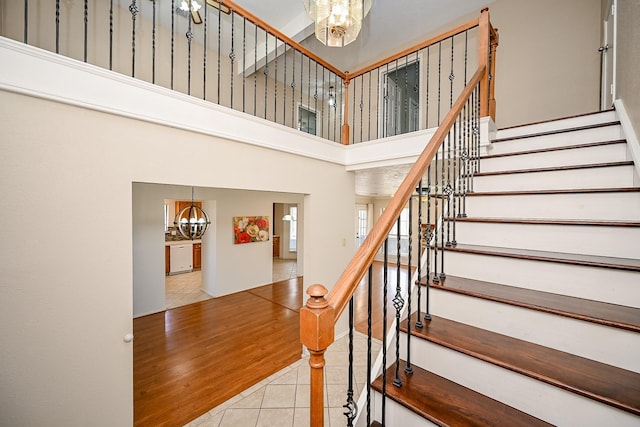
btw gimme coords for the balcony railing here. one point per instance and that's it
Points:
(223, 54)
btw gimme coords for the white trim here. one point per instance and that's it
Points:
(633, 143)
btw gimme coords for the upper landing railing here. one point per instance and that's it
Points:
(223, 54)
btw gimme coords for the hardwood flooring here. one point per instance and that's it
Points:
(192, 358)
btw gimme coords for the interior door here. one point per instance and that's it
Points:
(362, 223)
(607, 52)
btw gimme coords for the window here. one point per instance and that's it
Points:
(306, 120)
(401, 99)
(404, 235)
(293, 228)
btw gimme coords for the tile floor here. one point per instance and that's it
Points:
(183, 289)
(283, 398)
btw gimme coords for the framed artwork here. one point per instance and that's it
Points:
(249, 229)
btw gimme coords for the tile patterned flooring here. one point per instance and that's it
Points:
(283, 398)
(183, 289)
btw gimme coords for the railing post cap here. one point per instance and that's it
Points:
(317, 293)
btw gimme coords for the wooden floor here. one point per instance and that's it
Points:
(192, 358)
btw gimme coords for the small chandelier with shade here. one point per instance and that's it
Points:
(337, 22)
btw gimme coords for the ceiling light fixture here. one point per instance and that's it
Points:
(338, 22)
(192, 221)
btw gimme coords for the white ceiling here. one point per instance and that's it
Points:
(390, 26)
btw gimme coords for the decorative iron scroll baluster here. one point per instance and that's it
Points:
(436, 216)
(427, 238)
(301, 82)
(133, 8)
(398, 303)
(220, 49)
(309, 82)
(293, 89)
(406, 91)
(110, 34)
(369, 341)
(26, 21)
(315, 97)
(395, 85)
(450, 190)
(377, 102)
(204, 51)
(86, 28)
(57, 26)
(275, 80)
(284, 88)
(442, 215)
(408, 368)
(361, 107)
(439, 78)
(369, 110)
(385, 88)
(385, 286)
(418, 282)
(173, 23)
(232, 55)
(466, 55)
(189, 36)
(153, 45)
(353, 118)
(456, 175)
(350, 406)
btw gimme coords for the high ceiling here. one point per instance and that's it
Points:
(391, 26)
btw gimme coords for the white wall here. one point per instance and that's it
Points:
(66, 291)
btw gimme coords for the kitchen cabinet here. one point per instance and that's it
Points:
(167, 260)
(276, 246)
(197, 255)
(181, 204)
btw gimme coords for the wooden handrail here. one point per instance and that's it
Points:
(464, 27)
(260, 23)
(319, 316)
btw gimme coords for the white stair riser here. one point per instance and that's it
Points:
(573, 122)
(620, 242)
(602, 177)
(597, 206)
(542, 400)
(586, 339)
(397, 415)
(600, 284)
(600, 134)
(575, 156)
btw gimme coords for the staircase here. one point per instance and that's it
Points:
(538, 319)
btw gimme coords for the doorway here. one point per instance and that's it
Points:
(607, 57)
(286, 242)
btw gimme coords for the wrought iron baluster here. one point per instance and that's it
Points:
(406, 91)
(350, 406)
(86, 28)
(219, 50)
(266, 71)
(275, 81)
(428, 237)
(244, 64)
(255, 68)
(301, 82)
(369, 340)
(315, 96)
(398, 303)
(309, 82)
(408, 368)
(293, 89)
(442, 216)
(419, 279)
(385, 286)
(204, 51)
(369, 109)
(385, 89)
(57, 26)
(466, 55)
(26, 21)
(361, 105)
(353, 116)
(456, 175)
(153, 45)
(395, 83)
(439, 78)
(450, 190)
(232, 54)
(110, 34)
(133, 8)
(189, 36)
(173, 23)
(284, 88)
(436, 249)
(377, 103)
(426, 104)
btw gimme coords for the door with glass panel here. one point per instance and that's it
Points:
(362, 223)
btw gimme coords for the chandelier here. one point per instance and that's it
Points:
(338, 22)
(192, 221)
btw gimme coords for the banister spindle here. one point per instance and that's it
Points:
(408, 368)
(418, 282)
(398, 303)
(350, 406)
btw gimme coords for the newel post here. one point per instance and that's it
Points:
(316, 333)
(345, 125)
(484, 35)
(492, 98)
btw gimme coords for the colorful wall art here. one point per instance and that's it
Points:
(249, 229)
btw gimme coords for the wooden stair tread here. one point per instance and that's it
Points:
(572, 116)
(555, 168)
(550, 149)
(565, 258)
(562, 191)
(446, 403)
(545, 221)
(554, 132)
(608, 384)
(613, 315)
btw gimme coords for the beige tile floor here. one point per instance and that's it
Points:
(283, 399)
(183, 289)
